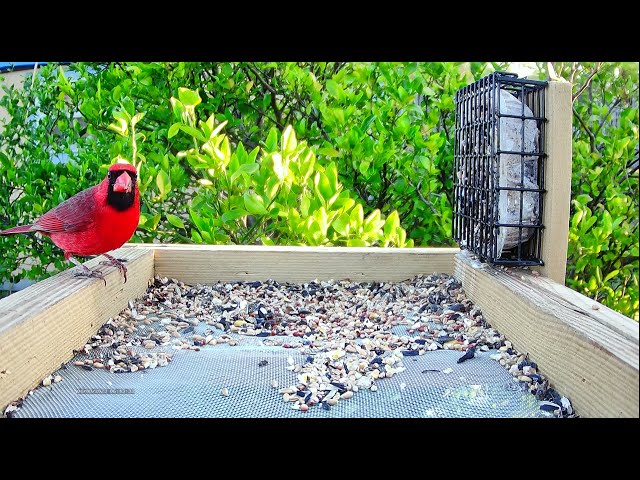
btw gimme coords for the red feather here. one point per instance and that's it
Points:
(86, 224)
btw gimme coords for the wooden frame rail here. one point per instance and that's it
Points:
(590, 355)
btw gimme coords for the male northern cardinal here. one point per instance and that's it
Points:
(94, 221)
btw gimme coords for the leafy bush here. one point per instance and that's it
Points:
(284, 196)
(388, 127)
(380, 133)
(603, 238)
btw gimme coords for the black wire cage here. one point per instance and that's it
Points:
(499, 169)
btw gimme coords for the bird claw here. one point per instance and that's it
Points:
(87, 272)
(116, 262)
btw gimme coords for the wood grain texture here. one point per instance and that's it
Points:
(209, 263)
(589, 355)
(41, 325)
(557, 181)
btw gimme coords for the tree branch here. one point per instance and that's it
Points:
(604, 119)
(383, 188)
(443, 119)
(592, 138)
(264, 115)
(620, 255)
(427, 203)
(574, 70)
(266, 84)
(277, 112)
(586, 83)
(357, 188)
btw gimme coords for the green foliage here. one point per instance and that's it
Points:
(390, 128)
(219, 163)
(603, 236)
(277, 195)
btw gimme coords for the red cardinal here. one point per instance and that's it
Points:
(94, 221)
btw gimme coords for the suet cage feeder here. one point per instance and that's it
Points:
(499, 169)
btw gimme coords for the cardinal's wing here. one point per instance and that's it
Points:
(73, 215)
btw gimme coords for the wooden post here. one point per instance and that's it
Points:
(557, 180)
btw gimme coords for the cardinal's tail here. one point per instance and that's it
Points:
(20, 229)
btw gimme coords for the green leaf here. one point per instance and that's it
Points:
(136, 118)
(278, 166)
(373, 222)
(198, 221)
(305, 204)
(233, 215)
(218, 129)
(599, 275)
(175, 220)
(428, 91)
(583, 199)
(163, 182)
(189, 97)
(271, 187)
(121, 127)
(289, 142)
(6, 163)
(142, 221)
(607, 223)
(90, 109)
(323, 186)
(575, 220)
(194, 132)
(610, 275)
(176, 107)
(331, 171)
(254, 203)
(391, 224)
(253, 155)
(267, 241)
(334, 90)
(294, 220)
(367, 123)
(329, 152)
(356, 242)
(128, 107)
(154, 221)
(320, 216)
(247, 169)
(173, 129)
(306, 166)
(272, 140)
(403, 124)
(401, 235)
(341, 224)
(357, 217)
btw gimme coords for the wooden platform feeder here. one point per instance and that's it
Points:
(588, 351)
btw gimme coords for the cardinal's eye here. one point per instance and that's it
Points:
(109, 175)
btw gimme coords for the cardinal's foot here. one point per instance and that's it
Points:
(87, 272)
(116, 262)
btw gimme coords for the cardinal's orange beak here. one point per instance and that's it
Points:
(123, 183)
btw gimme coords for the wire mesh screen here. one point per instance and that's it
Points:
(499, 169)
(192, 385)
(416, 348)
